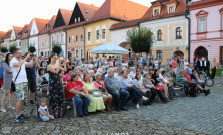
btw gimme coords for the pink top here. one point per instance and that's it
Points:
(174, 64)
(67, 77)
(97, 85)
(110, 63)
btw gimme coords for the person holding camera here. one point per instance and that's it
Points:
(19, 78)
(31, 75)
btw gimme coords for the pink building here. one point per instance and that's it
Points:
(207, 29)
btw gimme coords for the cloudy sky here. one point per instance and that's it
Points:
(21, 12)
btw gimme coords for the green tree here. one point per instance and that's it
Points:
(32, 49)
(56, 48)
(140, 39)
(4, 49)
(12, 47)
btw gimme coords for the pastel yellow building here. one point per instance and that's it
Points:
(97, 29)
(170, 27)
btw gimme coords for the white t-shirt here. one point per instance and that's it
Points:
(43, 109)
(22, 77)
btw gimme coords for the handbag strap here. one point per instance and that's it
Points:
(100, 83)
(17, 75)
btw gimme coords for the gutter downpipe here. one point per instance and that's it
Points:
(84, 39)
(187, 12)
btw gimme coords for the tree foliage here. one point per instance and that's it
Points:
(4, 49)
(140, 39)
(32, 49)
(12, 47)
(56, 48)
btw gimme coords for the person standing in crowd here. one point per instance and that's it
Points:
(19, 77)
(113, 87)
(31, 76)
(207, 66)
(144, 62)
(43, 64)
(1, 71)
(174, 63)
(55, 87)
(213, 66)
(7, 75)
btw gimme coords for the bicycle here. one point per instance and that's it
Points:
(207, 80)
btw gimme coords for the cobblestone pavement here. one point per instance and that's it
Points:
(189, 116)
(203, 113)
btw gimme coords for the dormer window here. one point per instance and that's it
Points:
(156, 12)
(171, 9)
(85, 10)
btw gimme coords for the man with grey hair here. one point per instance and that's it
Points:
(113, 87)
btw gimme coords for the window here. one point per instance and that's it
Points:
(76, 53)
(81, 38)
(85, 10)
(76, 38)
(178, 33)
(81, 53)
(171, 10)
(79, 19)
(89, 36)
(159, 35)
(69, 39)
(103, 34)
(222, 21)
(61, 38)
(159, 54)
(157, 12)
(75, 20)
(202, 24)
(97, 34)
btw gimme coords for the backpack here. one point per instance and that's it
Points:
(37, 112)
(193, 92)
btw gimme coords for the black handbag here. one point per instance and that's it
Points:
(13, 84)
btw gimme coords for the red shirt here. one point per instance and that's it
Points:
(77, 86)
(188, 77)
(174, 64)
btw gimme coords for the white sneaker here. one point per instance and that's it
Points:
(144, 98)
(3, 110)
(13, 108)
(137, 106)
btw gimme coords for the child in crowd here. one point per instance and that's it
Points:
(43, 111)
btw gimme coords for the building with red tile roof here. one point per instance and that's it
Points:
(166, 19)
(75, 30)
(44, 38)
(2, 34)
(57, 34)
(97, 29)
(7, 38)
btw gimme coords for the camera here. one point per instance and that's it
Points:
(31, 55)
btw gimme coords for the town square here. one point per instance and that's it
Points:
(111, 67)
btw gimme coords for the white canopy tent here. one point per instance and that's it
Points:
(109, 48)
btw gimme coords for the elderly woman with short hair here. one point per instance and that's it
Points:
(101, 86)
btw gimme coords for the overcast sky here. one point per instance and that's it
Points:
(21, 12)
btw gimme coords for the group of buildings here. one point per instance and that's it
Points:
(184, 28)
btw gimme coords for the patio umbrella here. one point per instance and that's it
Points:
(109, 48)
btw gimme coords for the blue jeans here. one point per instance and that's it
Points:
(81, 105)
(44, 118)
(120, 98)
(136, 94)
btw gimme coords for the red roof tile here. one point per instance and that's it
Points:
(75, 25)
(28, 29)
(41, 23)
(50, 23)
(66, 15)
(91, 10)
(180, 10)
(119, 9)
(2, 34)
(18, 36)
(8, 34)
(57, 29)
(125, 24)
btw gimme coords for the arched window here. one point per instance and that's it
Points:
(178, 33)
(159, 35)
